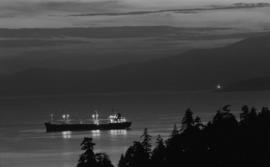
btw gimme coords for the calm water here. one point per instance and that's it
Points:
(23, 141)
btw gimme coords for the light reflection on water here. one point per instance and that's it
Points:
(118, 132)
(95, 133)
(66, 134)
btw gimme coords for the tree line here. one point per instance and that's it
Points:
(224, 141)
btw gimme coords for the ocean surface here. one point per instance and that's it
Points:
(24, 142)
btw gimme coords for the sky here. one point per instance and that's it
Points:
(117, 13)
(60, 13)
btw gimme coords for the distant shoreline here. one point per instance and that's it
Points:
(132, 93)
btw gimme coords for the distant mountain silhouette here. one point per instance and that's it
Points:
(250, 84)
(192, 70)
(101, 32)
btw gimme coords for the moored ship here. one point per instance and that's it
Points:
(115, 121)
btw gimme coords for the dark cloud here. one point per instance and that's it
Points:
(102, 8)
(190, 10)
(30, 8)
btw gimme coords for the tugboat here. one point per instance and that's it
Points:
(115, 121)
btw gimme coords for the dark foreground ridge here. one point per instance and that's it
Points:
(223, 142)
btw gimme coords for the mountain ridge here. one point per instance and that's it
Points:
(193, 70)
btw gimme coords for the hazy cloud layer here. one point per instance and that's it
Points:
(31, 8)
(13, 8)
(187, 10)
(60, 13)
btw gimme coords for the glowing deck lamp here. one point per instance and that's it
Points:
(219, 87)
(66, 117)
(95, 118)
(112, 118)
(115, 119)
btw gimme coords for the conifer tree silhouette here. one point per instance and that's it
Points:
(87, 159)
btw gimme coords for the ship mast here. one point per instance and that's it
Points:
(95, 117)
(51, 115)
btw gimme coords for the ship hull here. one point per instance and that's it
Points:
(50, 127)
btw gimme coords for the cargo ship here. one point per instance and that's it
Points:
(115, 121)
